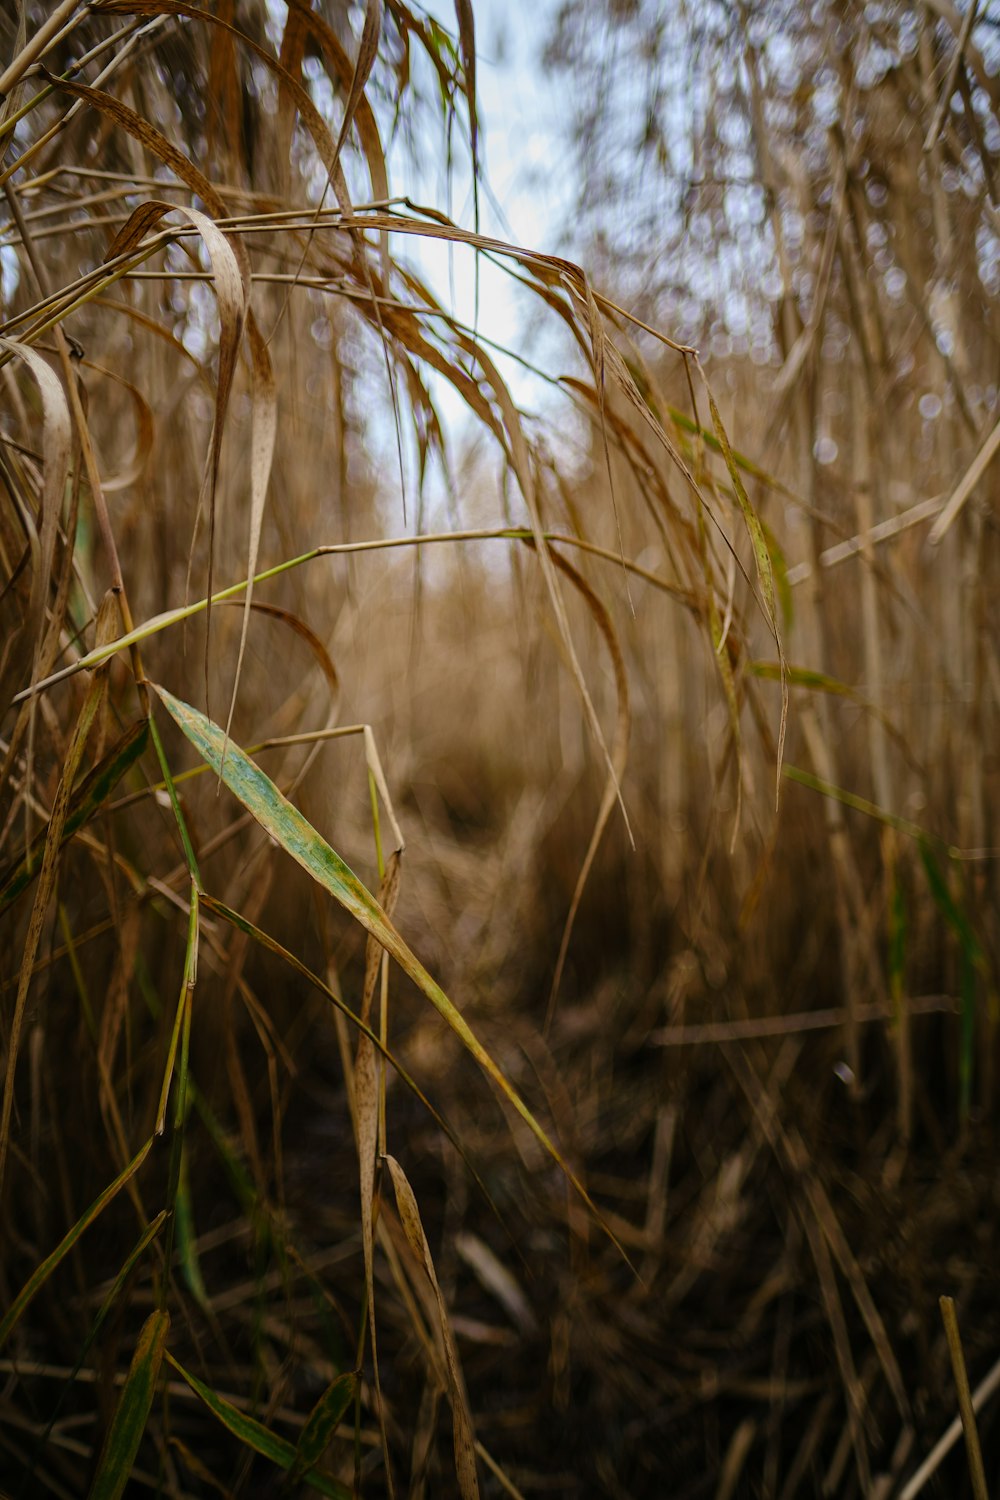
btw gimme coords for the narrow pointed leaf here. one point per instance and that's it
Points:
(129, 1421)
(322, 1424)
(255, 1435)
(286, 825)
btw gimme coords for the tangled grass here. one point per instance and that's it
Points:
(690, 1226)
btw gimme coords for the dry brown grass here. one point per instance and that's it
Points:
(763, 1045)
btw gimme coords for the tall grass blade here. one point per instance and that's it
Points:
(56, 431)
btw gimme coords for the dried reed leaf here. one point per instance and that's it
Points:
(496, 1279)
(965, 486)
(367, 53)
(262, 435)
(294, 622)
(341, 74)
(56, 433)
(464, 1437)
(225, 102)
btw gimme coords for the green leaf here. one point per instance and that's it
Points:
(285, 824)
(321, 1424)
(949, 907)
(805, 677)
(132, 1411)
(255, 1435)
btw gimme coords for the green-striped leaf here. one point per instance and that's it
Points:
(255, 1435)
(322, 1423)
(286, 825)
(129, 1421)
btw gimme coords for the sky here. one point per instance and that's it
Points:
(522, 114)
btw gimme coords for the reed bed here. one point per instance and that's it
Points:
(498, 953)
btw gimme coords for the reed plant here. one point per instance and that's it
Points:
(586, 1144)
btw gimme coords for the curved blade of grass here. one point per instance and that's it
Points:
(231, 280)
(129, 1421)
(177, 616)
(88, 798)
(42, 1273)
(263, 429)
(56, 434)
(255, 1435)
(367, 53)
(286, 825)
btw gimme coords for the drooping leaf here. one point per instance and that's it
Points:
(287, 826)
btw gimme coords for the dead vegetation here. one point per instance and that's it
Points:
(736, 1134)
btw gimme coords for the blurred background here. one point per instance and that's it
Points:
(667, 589)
